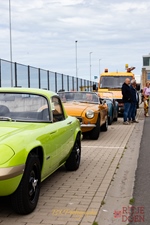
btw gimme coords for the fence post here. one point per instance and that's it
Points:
(55, 82)
(28, 76)
(39, 74)
(62, 82)
(0, 75)
(15, 74)
(77, 84)
(73, 83)
(67, 82)
(81, 85)
(48, 86)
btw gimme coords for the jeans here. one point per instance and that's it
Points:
(127, 106)
(132, 111)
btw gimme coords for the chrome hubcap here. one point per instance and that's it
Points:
(77, 153)
(33, 183)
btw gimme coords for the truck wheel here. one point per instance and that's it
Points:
(94, 134)
(25, 198)
(73, 161)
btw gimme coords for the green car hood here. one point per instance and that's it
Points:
(9, 130)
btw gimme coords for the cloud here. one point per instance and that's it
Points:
(44, 34)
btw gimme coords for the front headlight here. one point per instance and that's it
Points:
(89, 114)
(6, 153)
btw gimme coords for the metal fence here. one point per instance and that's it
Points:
(18, 75)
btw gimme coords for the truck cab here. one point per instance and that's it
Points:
(112, 82)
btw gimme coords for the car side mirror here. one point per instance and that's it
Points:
(104, 102)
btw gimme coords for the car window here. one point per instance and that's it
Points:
(57, 110)
(90, 97)
(24, 107)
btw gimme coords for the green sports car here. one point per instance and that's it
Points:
(36, 138)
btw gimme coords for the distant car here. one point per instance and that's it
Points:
(86, 106)
(113, 107)
(36, 138)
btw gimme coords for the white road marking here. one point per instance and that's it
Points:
(98, 146)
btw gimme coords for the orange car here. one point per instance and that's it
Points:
(89, 109)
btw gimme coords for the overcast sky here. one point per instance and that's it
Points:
(44, 34)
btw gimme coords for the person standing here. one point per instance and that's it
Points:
(126, 96)
(134, 100)
(146, 95)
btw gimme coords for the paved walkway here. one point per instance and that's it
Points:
(116, 210)
(73, 198)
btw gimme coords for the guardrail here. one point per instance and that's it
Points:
(28, 76)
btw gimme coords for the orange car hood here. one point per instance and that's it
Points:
(117, 94)
(77, 108)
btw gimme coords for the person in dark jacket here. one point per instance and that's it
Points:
(134, 99)
(126, 96)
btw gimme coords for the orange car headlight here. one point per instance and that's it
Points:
(89, 114)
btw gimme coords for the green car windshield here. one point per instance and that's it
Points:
(23, 107)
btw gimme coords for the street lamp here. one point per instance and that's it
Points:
(10, 43)
(76, 58)
(90, 66)
(99, 67)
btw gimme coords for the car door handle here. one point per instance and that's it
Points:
(69, 122)
(53, 132)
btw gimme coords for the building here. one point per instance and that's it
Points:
(145, 70)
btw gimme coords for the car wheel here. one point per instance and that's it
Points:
(110, 120)
(116, 118)
(25, 198)
(105, 125)
(94, 134)
(73, 161)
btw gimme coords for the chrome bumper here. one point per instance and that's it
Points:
(88, 125)
(10, 172)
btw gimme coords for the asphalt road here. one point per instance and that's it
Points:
(141, 193)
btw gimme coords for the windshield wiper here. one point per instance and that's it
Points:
(5, 118)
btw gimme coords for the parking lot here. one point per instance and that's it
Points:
(73, 198)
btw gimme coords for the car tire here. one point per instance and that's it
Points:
(110, 120)
(116, 118)
(105, 125)
(25, 198)
(94, 133)
(73, 162)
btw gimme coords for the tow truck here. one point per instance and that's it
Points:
(112, 82)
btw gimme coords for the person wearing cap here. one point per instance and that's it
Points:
(134, 99)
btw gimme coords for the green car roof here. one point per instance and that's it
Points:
(43, 92)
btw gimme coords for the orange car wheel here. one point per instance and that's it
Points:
(94, 134)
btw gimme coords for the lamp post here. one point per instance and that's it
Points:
(76, 58)
(99, 67)
(10, 43)
(90, 66)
